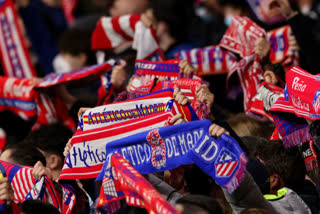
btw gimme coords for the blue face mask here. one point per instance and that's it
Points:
(228, 20)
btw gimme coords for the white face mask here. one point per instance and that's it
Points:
(60, 65)
(228, 20)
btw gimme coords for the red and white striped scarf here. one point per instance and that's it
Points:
(15, 58)
(280, 51)
(18, 96)
(210, 60)
(111, 32)
(22, 182)
(88, 155)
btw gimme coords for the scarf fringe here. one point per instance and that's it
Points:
(237, 178)
(296, 138)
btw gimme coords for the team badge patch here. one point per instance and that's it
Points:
(158, 149)
(316, 101)
(226, 163)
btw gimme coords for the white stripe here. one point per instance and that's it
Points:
(20, 177)
(183, 90)
(124, 22)
(229, 168)
(4, 50)
(205, 60)
(19, 190)
(25, 180)
(279, 54)
(30, 178)
(114, 37)
(219, 166)
(22, 57)
(223, 167)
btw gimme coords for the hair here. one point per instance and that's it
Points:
(253, 143)
(287, 163)
(76, 42)
(38, 207)
(177, 14)
(246, 125)
(199, 204)
(51, 139)
(25, 154)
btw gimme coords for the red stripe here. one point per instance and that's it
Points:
(133, 21)
(225, 169)
(231, 170)
(99, 39)
(117, 28)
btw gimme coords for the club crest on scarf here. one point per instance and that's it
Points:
(158, 148)
(316, 101)
(226, 163)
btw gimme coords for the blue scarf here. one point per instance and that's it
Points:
(167, 148)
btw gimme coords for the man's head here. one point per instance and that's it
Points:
(22, 154)
(171, 18)
(37, 207)
(191, 204)
(75, 48)
(285, 166)
(51, 141)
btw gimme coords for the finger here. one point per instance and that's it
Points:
(179, 121)
(183, 63)
(211, 128)
(81, 110)
(176, 92)
(175, 118)
(3, 180)
(185, 101)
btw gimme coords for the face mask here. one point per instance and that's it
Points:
(60, 65)
(228, 20)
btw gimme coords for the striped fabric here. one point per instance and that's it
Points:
(210, 60)
(15, 58)
(23, 184)
(111, 32)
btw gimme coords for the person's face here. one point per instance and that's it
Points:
(125, 7)
(75, 62)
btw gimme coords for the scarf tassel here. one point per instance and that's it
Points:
(237, 178)
(296, 138)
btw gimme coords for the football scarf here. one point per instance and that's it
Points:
(146, 72)
(88, 152)
(68, 6)
(280, 51)
(15, 58)
(140, 107)
(111, 32)
(292, 130)
(188, 87)
(96, 70)
(267, 95)
(210, 60)
(25, 187)
(51, 109)
(301, 95)
(241, 36)
(123, 181)
(167, 148)
(18, 96)
(250, 74)
(262, 11)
